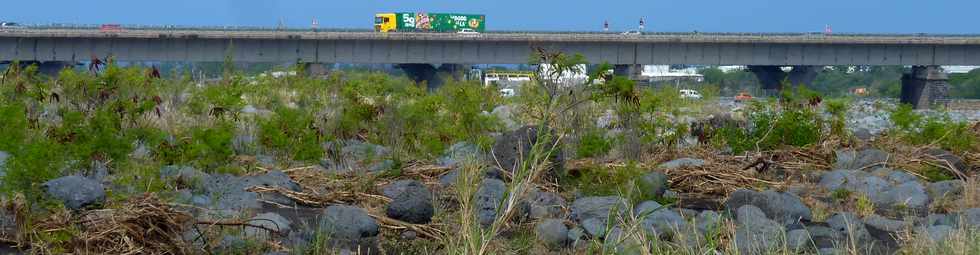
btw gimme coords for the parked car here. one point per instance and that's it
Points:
(507, 92)
(690, 94)
(110, 28)
(9, 25)
(632, 32)
(743, 96)
(468, 31)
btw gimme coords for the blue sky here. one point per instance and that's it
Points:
(877, 16)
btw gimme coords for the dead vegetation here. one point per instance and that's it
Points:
(141, 225)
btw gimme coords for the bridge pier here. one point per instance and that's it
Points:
(432, 76)
(49, 68)
(316, 69)
(924, 86)
(634, 72)
(772, 77)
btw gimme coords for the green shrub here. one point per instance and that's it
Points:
(936, 129)
(35, 163)
(294, 132)
(13, 128)
(837, 108)
(593, 144)
(206, 147)
(772, 127)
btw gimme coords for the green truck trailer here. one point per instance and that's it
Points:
(428, 22)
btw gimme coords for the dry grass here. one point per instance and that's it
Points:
(142, 225)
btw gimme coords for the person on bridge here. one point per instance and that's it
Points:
(605, 26)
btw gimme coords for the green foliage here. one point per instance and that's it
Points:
(773, 127)
(933, 129)
(611, 181)
(207, 147)
(593, 144)
(97, 136)
(965, 85)
(936, 174)
(35, 163)
(841, 194)
(293, 132)
(837, 108)
(13, 128)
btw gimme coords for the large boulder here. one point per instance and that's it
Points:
(886, 224)
(552, 233)
(841, 179)
(76, 192)
(681, 162)
(856, 160)
(900, 176)
(268, 221)
(3, 162)
(950, 190)
(593, 213)
(853, 229)
(938, 233)
(708, 221)
(659, 220)
(907, 197)
(971, 217)
(411, 201)
(488, 200)
(798, 240)
(460, 152)
(349, 228)
(782, 207)
(597, 207)
(541, 204)
(183, 176)
(755, 233)
(230, 192)
(357, 156)
(949, 159)
(511, 148)
(449, 178)
(652, 184)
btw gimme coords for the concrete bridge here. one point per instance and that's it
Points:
(420, 53)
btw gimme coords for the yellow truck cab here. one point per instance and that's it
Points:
(384, 22)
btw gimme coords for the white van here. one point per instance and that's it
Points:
(690, 93)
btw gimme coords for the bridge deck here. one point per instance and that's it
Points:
(803, 38)
(487, 48)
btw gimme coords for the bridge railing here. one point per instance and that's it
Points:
(67, 26)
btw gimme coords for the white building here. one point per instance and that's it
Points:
(959, 69)
(658, 73)
(567, 78)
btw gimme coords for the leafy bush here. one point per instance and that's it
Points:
(207, 147)
(293, 132)
(593, 144)
(935, 129)
(773, 127)
(837, 108)
(35, 163)
(13, 128)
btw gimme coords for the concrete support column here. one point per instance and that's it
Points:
(316, 69)
(49, 68)
(772, 77)
(634, 72)
(924, 86)
(432, 76)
